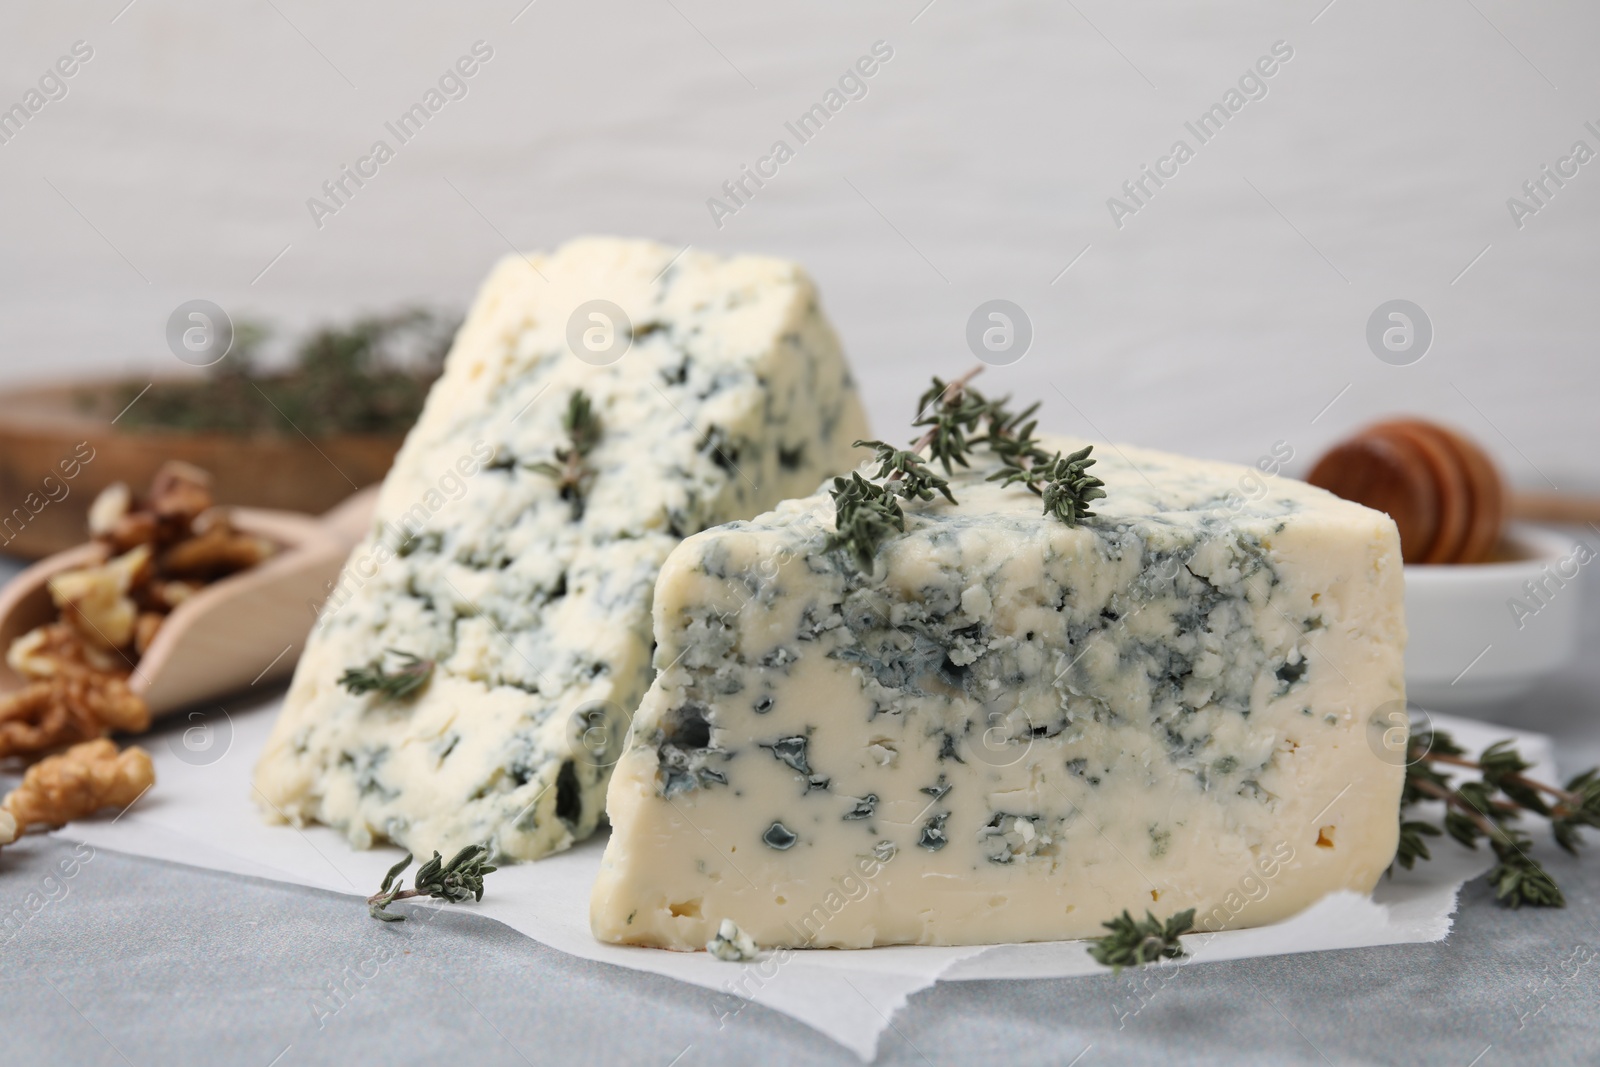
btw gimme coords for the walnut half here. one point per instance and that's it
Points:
(79, 782)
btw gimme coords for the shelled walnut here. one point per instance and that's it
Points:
(79, 782)
(154, 554)
(77, 691)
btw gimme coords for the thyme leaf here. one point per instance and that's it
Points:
(1012, 439)
(1582, 808)
(1068, 489)
(864, 514)
(1135, 942)
(952, 412)
(572, 475)
(1412, 847)
(1518, 878)
(908, 476)
(404, 681)
(1062, 481)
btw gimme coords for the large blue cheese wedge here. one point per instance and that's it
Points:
(719, 389)
(1012, 730)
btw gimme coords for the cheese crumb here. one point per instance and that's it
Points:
(731, 944)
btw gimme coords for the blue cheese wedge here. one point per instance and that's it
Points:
(1013, 729)
(533, 605)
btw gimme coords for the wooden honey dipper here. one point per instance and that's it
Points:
(1441, 489)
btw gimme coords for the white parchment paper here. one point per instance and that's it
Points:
(201, 813)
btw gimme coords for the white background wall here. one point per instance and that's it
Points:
(1224, 316)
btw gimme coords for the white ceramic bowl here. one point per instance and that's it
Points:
(1482, 634)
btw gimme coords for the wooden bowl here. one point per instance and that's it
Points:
(58, 450)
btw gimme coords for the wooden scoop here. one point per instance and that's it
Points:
(1441, 489)
(242, 630)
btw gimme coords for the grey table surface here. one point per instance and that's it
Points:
(135, 961)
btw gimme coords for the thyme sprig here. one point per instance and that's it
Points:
(572, 475)
(1135, 942)
(867, 511)
(457, 881)
(404, 681)
(1487, 808)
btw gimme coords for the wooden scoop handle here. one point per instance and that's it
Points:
(249, 628)
(1542, 506)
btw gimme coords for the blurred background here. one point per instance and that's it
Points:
(1219, 313)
